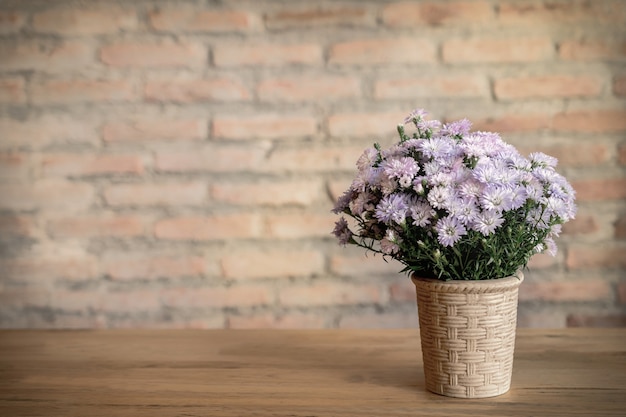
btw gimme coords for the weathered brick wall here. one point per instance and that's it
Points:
(173, 163)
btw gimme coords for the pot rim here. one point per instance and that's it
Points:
(469, 286)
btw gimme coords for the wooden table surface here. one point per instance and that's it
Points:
(570, 372)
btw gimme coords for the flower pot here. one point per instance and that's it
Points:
(467, 330)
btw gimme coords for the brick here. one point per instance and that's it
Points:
(490, 50)
(305, 89)
(190, 91)
(592, 50)
(400, 320)
(621, 154)
(275, 193)
(196, 20)
(365, 124)
(315, 17)
(270, 321)
(81, 165)
(577, 291)
(620, 227)
(208, 298)
(611, 320)
(152, 266)
(299, 225)
(16, 226)
(11, 22)
(361, 265)
(74, 301)
(337, 188)
(217, 227)
(157, 194)
(619, 86)
(47, 195)
(269, 126)
(581, 225)
(574, 155)
(42, 270)
(600, 189)
(590, 121)
(96, 226)
(24, 297)
(542, 261)
(382, 52)
(621, 292)
(39, 132)
(326, 159)
(403, 291)
(530, 317)
(564, 12)
(44, 56)
(254, 264)
(12, 90)
(461, 13)
(82, 91)
(154, 55)
(513, 123)
(212, 159)
(329, 294)
(151, 129)
(589, 257)
(14, 167)
(548, 86)
(463, 86)
(266, 55)
(120, 302)
(72, 21)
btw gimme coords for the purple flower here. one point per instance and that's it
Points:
(449, 231)
(496, 198)
(487, 222)
(367, 158)
(457, 128)
(437, 147)
(421, 213)
(542, 160)
(392, 208)
(440, 197)
(342, 232)
(343, 202)
(465, 210)
(401, 168)
(389, 244)
(415, 115)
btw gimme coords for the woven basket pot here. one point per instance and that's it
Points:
(468, 334)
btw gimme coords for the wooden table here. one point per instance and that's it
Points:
(293, 373)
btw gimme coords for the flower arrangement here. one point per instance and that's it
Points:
(452, 205)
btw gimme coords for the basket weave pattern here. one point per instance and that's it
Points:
(467, 330)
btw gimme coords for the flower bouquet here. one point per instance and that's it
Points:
(464, 212)
(454, 205)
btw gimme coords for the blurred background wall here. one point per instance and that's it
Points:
(173, 163)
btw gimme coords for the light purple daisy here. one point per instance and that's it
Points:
(390, 243)
(342, 231)
(542, 160)
(440, 197)
(421, 213)
(399, 168)
(449, 230)
(496, 198)
(457, 128)
(367, 158)
(487, 222)
(392, 208)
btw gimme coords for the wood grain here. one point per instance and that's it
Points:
(293, 373)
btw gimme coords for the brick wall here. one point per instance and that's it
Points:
(173, 163)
